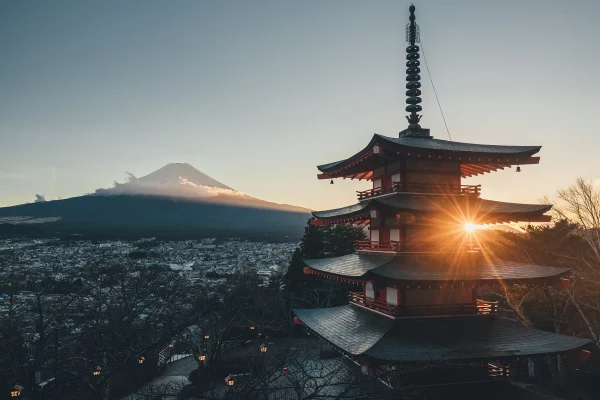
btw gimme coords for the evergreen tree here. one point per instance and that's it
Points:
(321, 242)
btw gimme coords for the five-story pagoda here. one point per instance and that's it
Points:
(421, 268)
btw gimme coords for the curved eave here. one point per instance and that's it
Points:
(475, 152)
(353, 265)
(347, 328)
(342, 213)
(481, 211)
(414, 269)
(468, 339)
(488, 273)
(357, 332)
(491, 211)
(332, 166)
(475, 159)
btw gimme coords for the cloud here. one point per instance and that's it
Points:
(181, 188)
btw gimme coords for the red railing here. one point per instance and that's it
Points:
(377, 305)
(482, 307)
(367, 245)
(413, 246)
(485, 307)
(397, 187)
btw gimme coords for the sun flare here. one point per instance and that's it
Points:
(470, 227)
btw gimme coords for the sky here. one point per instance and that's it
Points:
(257, 93)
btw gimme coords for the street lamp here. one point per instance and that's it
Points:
(202, 356)
(97, 371)
(141, 360)
(16, 392)
(206, 336)
(251, 327)
(263, 348)
(171, 345)
(229, 380)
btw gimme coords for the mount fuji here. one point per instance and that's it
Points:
(173, 180)
(175, 200)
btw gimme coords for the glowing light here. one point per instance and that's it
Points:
(470, 227)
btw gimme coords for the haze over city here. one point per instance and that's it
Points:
(256, 94)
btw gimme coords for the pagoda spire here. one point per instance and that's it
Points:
(413, 78)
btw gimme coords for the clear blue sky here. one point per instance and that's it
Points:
(257, 93)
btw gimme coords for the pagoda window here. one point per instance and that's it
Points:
(374, 235)
(369, 290)
(391, 295)
(394, 235)
(396, 178)
(376, 183)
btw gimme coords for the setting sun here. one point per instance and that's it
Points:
(470, 227)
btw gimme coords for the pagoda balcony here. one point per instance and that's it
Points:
(368, 246)
(481, 308)
(398, 187)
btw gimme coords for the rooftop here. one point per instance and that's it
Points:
(359, 332)
(475, 158)
(434, 268)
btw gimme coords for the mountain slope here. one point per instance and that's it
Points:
(174, 199)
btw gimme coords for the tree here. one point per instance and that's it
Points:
(121, 312)
(320, 242)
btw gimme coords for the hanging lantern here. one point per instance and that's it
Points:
(263, 348)
(206, 336)
(171, 345)
(202, 356)
(297, 321)
(251, 327)
(97, 371)
(564, 283)
(584, 354)
(141, 360)
(16, 392)
(405, 217)
(286, 370)
(229, 380)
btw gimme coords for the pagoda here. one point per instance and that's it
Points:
(418, 274)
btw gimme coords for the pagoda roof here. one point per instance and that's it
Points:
(357, 332)
(487, 157)
(479, 210)
(434, 268)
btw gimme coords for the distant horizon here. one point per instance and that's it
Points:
(256, 95)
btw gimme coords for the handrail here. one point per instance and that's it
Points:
(399, 187)
(377, 305)
(482, 307)
(377, 245)
(401, 247)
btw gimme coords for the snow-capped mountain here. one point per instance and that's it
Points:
(177, 199)
(173, 180)
(177, 173)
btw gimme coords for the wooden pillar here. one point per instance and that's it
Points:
(534, 368)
